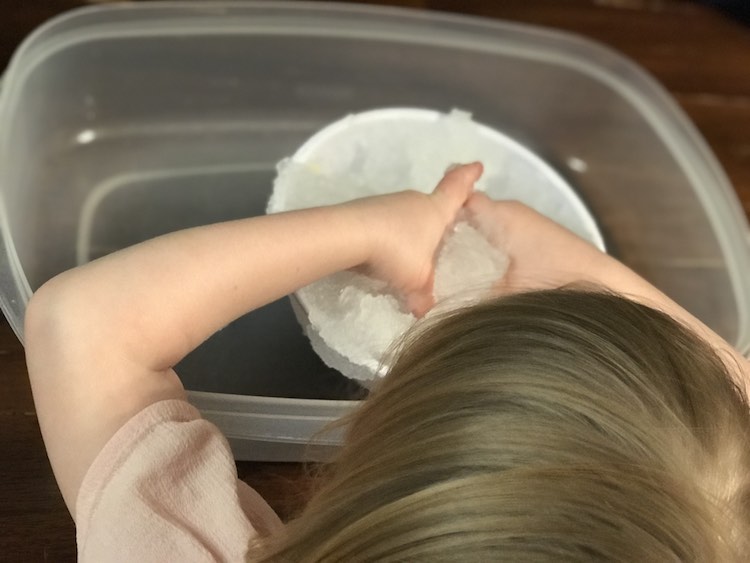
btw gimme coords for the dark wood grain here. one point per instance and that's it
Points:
(699, 55)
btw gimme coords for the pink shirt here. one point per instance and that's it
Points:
(165, 488)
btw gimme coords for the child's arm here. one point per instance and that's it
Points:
(546, 255)
(101, 339)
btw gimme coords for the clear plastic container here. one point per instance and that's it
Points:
(121, 122)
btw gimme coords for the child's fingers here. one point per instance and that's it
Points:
(419, 303)
(492, 218)
(457, 185)
(480, 211)
(486, 212)
(479, 204)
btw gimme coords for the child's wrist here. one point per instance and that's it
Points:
(365, 232)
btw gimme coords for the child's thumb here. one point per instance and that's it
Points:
(457, 185)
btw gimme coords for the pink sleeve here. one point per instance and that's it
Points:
(165, 488)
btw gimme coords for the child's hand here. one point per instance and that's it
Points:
(542, 253)
(406, 230)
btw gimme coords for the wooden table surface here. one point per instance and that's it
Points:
(699, 55)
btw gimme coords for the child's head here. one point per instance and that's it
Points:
(558, 425)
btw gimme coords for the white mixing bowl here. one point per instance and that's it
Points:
(387, 150)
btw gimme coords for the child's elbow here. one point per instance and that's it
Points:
(50, 316)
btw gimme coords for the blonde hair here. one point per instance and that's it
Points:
(560, 425)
